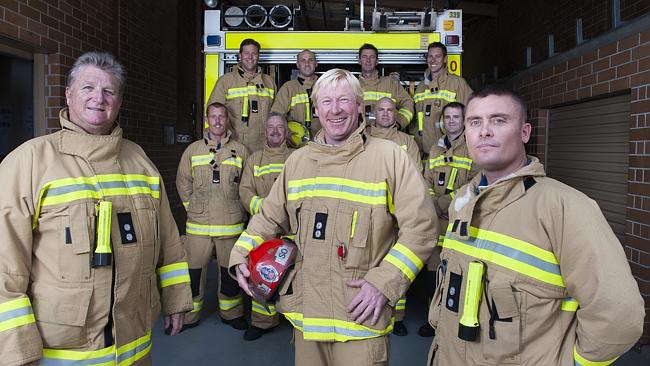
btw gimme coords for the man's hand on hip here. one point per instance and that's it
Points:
(369, 301)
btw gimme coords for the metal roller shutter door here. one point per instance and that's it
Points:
(588, 146)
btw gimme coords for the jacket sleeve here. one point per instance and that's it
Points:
(404, 105)
(417, 234)
(597, 275)
(184, 179)
(413, 152)
(429, 177)
(247, 190)
(20, 340)
(464, 91)
(282, 101)
(218, 93)
(270, 222)
(172, 268)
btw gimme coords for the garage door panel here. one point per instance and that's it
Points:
(588, 147)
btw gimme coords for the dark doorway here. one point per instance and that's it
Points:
(16, 102)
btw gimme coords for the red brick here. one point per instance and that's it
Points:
(574, 63)
(620, 84)
(568, 75)
(16, 19)
(639, 161)
(601, 65)
(644, 63)
(10, 4)
(641, 51)
(573, 84)
(8, 30)
(642, 106)
(584, 70)
(606, 75)
(38, 5)
(37, 27)
(645, 37)
(559, 68)
(599, 89)
(641, 79)
(30, 12)
(588, 80)
(55, 13)
(584, 92)
(29, 37)
(570, 96)
(642, 272)
(590, 56)
(628, 42)
(49, 21)
(557, 99)
(607, 50)
(620, 58)
(627, 69)
(49, 45)
(639, 134)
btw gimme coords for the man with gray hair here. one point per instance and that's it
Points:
(260, 172)
(72, 202)
(363, 224)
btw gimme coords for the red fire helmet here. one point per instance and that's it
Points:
(268, 264)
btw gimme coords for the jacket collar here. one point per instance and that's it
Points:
(341, 154)
(242, 73)
(212, 144)
(476, 198)
(275, 150)
(388, 133)
(437, 79)
(374, 76)
(74, 140)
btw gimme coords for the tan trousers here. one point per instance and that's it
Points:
(199, 252)
(365, 352)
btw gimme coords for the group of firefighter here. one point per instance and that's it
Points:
(369, 183)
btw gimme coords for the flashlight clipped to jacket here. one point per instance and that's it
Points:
(468, 327)
(103, 255)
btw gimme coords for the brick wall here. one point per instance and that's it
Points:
(145, 38)
(617, 66)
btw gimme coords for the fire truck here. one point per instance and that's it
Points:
(402, 38)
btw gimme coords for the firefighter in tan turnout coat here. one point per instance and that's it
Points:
(531, 272)
(344, 197)
(207, 181)
(260, 172)
(89, 245)
(248, 94)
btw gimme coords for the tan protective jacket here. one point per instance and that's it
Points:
(431, 95)
(559, 286)
(51, 298)
(344, 204)
(207, 181)
(260, 172)
(405, 141)
(375, 88)
(294, 101)
(248, 101)
(448, 168)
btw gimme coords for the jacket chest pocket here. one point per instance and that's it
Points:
(230, 176)
(77, 230)
(352, 230)
(147, 216)
(501, 323)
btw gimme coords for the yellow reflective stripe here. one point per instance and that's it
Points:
(372, 95)
(254, 205)
(340, 188)
(444, 94)
(441, 240)
(354, 223)
(323, 329)
(186, 204)
(125, 355)
(299, 99)
(244, 108)
(198, 305)
(259, 171)
(406, 113)
(389, 200)
(173, 274)
(459, 162)
(229, 304)
(420, 121)
(405, 260)
(452, 194)
(261, 309)
(95, 187)
(401, 304)
(16, 313)
(514, 254)
(248, 242)
(452, 179)
(234, 161)
(197, 160)
(403, 147)
(570, 304)
(214, 230)
(245, 91)
(436, 162)
(432, 193)
(581, 361)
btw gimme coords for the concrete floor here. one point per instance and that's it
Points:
(215, 343)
